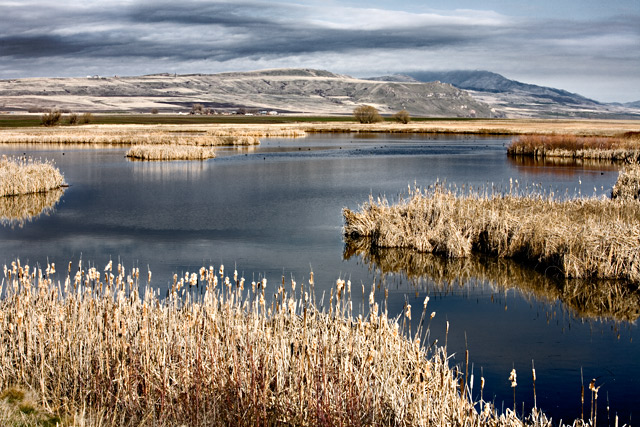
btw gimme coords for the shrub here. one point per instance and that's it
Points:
(86, 118)
(154, 111)
(51, 118)
(367, 114)
(73, 119)
(402, 116)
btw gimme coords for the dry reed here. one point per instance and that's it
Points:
(19, 175)
(214, 352)
(170, 152)
(626, 147)
(627, 185)
(579, 238)
(18, 210)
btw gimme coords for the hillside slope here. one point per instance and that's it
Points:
(283, 90)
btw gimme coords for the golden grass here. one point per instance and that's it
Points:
(214, 352)
(200, 135)
(26, 175)
(627, 185)
(597, 299)
(18, 210)
(170, 152)
(578, 238)
(624, 147)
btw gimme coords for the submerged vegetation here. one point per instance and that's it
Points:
(19, 175)
(623, 147)
(216, 352)
(576, 238)
(170, 152)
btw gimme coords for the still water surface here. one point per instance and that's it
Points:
(275, 210)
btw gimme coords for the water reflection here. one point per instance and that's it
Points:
(19, 210)
(566, 166)
(609, 300)
(176, 171)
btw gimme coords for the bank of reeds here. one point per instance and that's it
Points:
(147, 134)
(592, 299)
(20, 175)
(170, 152)
(576, 238)
(215, 352)
(627, 185)
(18, 210)
(620, 148)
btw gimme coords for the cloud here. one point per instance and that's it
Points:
(216, 35)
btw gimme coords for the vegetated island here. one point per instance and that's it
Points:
(21, 175)
(170, 152)
(574, 237)
(102, 348)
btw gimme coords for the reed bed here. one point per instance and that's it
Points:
(599, 299)
(214, 352)
(575, 238)
(170, 152)
(19, 210)
(20, 175)
(620, 148)
(627, 185)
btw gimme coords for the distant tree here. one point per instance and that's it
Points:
(367, 114)
(402, 116)
(51, 118)
(154, 111)
(197, 109)
(86, 118)
(73, 119)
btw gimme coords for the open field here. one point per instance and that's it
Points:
(215, 352)
(575, 238)
(170, 152)
(25, 176)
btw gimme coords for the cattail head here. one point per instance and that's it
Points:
(512, 378)
(426, 301)
(408, 311)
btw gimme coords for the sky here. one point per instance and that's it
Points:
(590, 47)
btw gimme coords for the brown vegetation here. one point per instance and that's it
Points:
(402, 116)
(214, 352)
(170, 152)
(367, 114)
(628, 184)
(579, 238)
(51, 118)
(625, 147)
(26, 175)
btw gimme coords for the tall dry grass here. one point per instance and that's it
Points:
(148, 134)
(19, 210)
(599, 299)
(215, 352)
(170, 152)
(577, 238)
(627, 185)
(19, 175)
(624, 147)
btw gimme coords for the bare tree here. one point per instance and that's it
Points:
(402, 116)
(367, 114)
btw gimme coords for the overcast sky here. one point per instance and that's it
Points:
(591, 47)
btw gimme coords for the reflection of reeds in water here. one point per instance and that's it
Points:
(561, 165)
(215, 352)
(18, 210)
(582, 238)
(588, 299)
(170, 152)
(26, 176)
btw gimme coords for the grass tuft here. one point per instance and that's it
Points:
(170, 152)
(19, 175)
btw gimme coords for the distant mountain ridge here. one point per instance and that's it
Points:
(282, 90)
(517, 99)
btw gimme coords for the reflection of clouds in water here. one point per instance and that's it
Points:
(175, 170)
(609, 300)
(18, 210)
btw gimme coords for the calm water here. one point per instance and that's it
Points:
(276, 210)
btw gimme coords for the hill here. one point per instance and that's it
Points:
(283, 90)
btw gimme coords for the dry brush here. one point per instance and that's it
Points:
(21, 175)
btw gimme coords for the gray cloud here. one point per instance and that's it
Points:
(212, 34)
